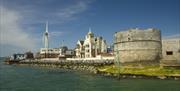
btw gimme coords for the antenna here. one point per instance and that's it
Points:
(62, 43)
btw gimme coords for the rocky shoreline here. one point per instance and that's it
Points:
(137, 76)
(88, 68)
(94, 70)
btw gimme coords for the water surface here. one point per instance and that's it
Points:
(27, 78)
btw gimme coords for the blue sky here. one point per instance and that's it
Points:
(23, 21)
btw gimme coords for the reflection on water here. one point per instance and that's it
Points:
(24, 78)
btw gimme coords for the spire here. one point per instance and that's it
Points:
(89, 29)
(90, 34)
(47, 26)
(46, 42)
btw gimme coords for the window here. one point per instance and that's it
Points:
(87, 45)
(169, 53)
(129, 39)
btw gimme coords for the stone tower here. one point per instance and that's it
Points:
(137, 46)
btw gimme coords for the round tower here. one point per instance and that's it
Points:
(137, 46)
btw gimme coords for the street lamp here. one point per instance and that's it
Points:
(117, 62)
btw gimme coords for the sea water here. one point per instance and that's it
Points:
(30, 78)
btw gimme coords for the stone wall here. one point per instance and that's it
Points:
(137, 45)
(171, 51)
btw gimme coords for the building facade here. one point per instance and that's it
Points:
(101, 46)
(49, 52)
(62, 50)
(18, 57)
(171, 52)
(80, 53)
(91, 46)
(22, 56)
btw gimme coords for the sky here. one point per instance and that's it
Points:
(23, 21)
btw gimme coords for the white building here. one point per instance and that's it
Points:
(91, 46)
(80, 53)
(62, 51)
(101, 46)
(49, 52)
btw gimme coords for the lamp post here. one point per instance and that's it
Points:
(118, 63)
(116, 51)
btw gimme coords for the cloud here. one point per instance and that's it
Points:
(68, 13)
(12, 33)
(55, 11)
(19, 18)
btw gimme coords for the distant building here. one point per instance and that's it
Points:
(110, 49)
(18, 57)
(29, 55)
(62, 50)
(100, 45)
(37, 55)
(171, 52)
(49, 53)
(80, 52)
(66, 53)
(22, 56)
(70, 53)
(91, 46)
